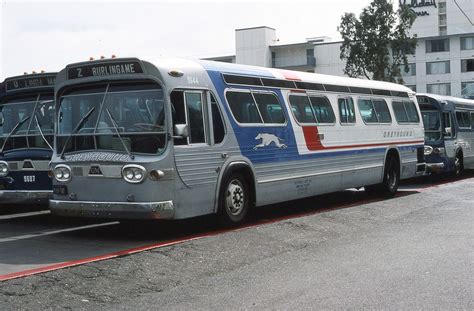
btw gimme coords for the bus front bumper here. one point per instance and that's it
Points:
(434, 167)
(25, 196)
(118, 210)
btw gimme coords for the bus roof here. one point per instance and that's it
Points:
(448, 99)
(196, 67)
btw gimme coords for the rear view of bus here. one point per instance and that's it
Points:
(110, 157)
(26, 137)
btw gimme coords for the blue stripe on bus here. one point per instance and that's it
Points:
(246, 135)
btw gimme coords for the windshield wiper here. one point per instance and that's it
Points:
(41, 132)
(13, 131)
(114, 123)
(77, 128)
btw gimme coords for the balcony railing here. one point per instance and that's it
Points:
(289, 61)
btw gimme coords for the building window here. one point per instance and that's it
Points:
(438, 68)
(411, 70)
(467, 89)
(273, 60)
(439, 88)
(442, 20)
(443, 30)
(310, 59)
(441, 45)
(442, 7)
(467, 65)
(467, 43)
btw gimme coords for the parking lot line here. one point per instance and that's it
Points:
(39, 234)
(21, 215)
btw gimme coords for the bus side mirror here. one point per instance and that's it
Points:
(2, 120)
(181, 131)
(448, 131)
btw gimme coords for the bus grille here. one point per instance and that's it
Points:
(77, 171)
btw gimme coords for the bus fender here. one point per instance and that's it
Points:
(390, 150)
(230, 166)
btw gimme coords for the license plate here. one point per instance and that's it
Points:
(29, 179)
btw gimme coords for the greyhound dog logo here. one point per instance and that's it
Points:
(268, 139)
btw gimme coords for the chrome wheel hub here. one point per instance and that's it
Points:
(235, 197)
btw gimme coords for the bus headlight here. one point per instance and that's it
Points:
(428, 150)
(62, 173)
(3, 169)
(438, 150)
(133, 173)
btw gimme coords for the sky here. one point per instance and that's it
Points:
(48, 35)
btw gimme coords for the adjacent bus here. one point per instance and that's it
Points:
(449, 133)
(26, 138)
(178, 138)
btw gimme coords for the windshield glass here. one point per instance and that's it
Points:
(21, 116)
(93, 115)
(432, 124)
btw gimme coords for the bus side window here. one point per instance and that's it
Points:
(301, 107)
(217, 122)
(322, 109)
(448, 129)
(346, 110)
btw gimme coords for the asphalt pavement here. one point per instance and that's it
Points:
(415, 251)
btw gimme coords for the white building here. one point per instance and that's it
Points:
(443, 62)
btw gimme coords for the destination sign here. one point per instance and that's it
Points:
(30, 82)
(107, 69)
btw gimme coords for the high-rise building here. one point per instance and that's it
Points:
(442, 63)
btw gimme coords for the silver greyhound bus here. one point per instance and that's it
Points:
(178, 138)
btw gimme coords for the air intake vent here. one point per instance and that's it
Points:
(77, 171)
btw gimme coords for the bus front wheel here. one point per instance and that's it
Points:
(234, 200)
(458, 164)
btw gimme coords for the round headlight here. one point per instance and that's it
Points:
(62, 173)
(428, 150)
(58, 173)
(3, 169)
(129, 174)
(133, 173)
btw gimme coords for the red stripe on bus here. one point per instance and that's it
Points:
(313, 141)
(289, 75)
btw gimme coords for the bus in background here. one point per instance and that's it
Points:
(26, 138)
(180, 138)
(449, 132)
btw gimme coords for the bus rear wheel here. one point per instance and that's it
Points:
(234, 200)
(391, 178)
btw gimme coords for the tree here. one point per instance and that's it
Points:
(377, 44)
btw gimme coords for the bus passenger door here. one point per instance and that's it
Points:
(449, 133)
(197, 156)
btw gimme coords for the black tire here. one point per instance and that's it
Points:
(458, 165)
(391, 177)
(234, 200)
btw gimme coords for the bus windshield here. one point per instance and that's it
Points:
(27, 122)
(432, 124)
(115, 116)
